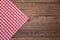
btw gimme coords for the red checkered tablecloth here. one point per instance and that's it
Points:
(11, 19)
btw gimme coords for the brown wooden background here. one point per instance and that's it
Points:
(44, 20)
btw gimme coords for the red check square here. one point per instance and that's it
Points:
(11, 19)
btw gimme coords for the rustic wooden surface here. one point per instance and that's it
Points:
(44, 20)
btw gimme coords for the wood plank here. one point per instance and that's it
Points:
(35, 38)
(41, 12)
(42, 23)
(38, 5)
(36, 0)
(33, 9)
(42, 26)
(37, 33)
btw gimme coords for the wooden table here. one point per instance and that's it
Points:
(44, 20)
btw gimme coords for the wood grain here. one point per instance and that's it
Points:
(33, 9)
(44, 20)
(36, 0)
(34, 38)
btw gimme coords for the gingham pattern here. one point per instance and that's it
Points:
(11, 19)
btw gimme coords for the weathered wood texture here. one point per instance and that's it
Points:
(28, 38)
(44, 20)
(36, 0)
